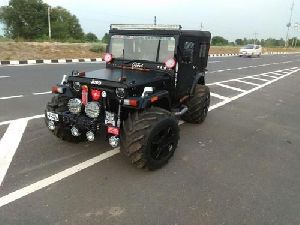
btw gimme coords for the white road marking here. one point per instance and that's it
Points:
(79, 167)
(266, 75)
(27, 118)
(10, 97)
(42, 93)
(246, 82)
(230, 87)
(247, 67)
(9, 144)
(214, 61)
(4, 77)
(255, 78)
(218, 96)
(56, 177)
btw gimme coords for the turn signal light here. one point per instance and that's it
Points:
(56, 90)
(107, 57)
(170, 63)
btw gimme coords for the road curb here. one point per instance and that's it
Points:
(48, 61)
(84, 60)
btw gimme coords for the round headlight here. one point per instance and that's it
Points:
(120, 92)
(92, 109)
(74, 105)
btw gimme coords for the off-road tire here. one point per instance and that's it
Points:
(60, 104)
(197, 105)
(139, 137)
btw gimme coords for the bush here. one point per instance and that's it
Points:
(98, 48)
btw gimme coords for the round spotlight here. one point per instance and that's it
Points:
(92, 109)
(74, 105)
(75, 132)
(90, 136)
(114, 141)
(120, 92)
(51, 125)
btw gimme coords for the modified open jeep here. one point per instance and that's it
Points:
(154, 75)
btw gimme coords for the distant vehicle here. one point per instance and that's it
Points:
(154, 75)
(251, 50)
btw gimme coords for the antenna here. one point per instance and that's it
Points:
(289, 25)
(122, 72)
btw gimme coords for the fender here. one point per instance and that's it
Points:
(160, 98)
(199, 79)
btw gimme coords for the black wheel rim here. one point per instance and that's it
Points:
(163, 143)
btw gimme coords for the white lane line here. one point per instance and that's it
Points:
(246, 82)
(255, 78)
(79, 167)
(230, 87)
(56, 177)
(9, 144)
(4, 77)
(27, 118)
(42, 93)
(214, 61)
(218, 96)
(274, 73)
(10, 97)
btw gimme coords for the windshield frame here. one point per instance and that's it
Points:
(144, 34)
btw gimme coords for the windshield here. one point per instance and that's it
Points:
(248, 47)
(150, 48)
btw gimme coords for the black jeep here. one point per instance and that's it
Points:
(154, 74)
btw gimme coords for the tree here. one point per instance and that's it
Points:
(65, 25)
(90, 37)
(28, 19)
(105, 38)
(239, 41)
(218, 40)
(24, 18)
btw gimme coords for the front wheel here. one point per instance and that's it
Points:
(149, 138)
(198, 105)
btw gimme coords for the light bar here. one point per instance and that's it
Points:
(145, 27)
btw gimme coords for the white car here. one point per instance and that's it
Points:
(251, 50)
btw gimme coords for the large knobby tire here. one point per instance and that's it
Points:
(60, 104)
(149, 138)
(198, 105)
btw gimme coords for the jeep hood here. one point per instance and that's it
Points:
(133, 77)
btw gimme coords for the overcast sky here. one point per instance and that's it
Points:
(229, 18)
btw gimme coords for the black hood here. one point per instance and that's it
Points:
(133, 77)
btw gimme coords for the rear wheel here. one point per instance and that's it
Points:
(149, 138)
(198, 105)
(60, 104)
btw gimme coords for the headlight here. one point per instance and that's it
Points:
(74, 105)
(120, 92)
(92, 109)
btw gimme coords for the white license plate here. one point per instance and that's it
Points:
(110, 118)
(52, 116)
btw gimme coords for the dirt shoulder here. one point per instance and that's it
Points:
(49, 50)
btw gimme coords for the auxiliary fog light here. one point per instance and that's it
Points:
(51, 125)
(92, 109)
(74, 105)
(114, 141)
(75, 132)
(90, 136)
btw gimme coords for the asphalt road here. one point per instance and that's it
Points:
(241, 166)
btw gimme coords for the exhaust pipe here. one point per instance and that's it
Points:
(183, 111)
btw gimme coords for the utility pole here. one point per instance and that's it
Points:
(201, 26)
(255, 37)
(155, 20)
(49, 22)
(289, 25)
(297, 28)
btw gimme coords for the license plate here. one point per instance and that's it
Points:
(110, 118)
(52, 116)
